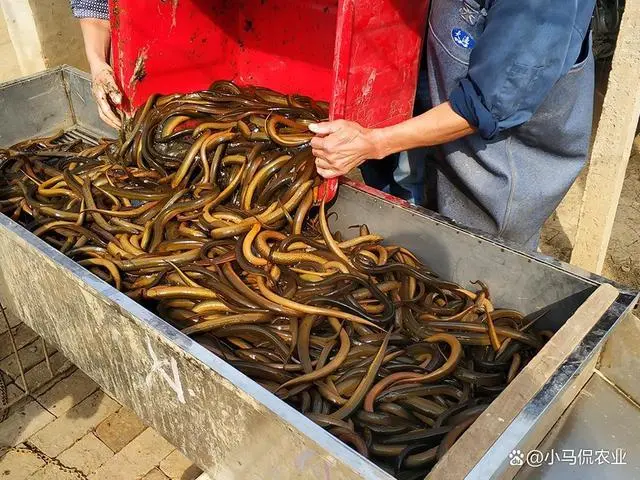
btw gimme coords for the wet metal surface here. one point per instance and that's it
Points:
(620, 361)
(597, 438)
(32, 106)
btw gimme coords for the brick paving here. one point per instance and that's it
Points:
(67, 428)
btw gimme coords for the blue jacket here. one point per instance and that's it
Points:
(526, 46)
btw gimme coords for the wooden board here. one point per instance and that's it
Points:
(471, 447)
(612, 147)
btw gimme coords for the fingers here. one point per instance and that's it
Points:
(327, 173)
(323, 163)
(330, 159)
(326, 128)
(323, 146)
(108, 119)
(336, 166)
(327, 169)
(111, 88)
(107, 114)
(115, 96)
(318, 143)
(329, 162)
(319, 153)
(107, 94)
(105, 111)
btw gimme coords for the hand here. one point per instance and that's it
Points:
(105, 89)
(340, 146)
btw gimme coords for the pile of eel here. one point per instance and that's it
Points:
(206, 210)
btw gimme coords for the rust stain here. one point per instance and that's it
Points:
(368, 87)
(139, 71)
(174, 9)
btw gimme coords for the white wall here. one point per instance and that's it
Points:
(38, 34)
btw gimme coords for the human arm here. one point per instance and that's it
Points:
(341, 146)
(96, 33)
(523, 51)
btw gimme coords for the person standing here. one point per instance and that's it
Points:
(508, 91)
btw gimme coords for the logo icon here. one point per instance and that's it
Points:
(516, 458)
(463, 39)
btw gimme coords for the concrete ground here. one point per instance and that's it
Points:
(623, 256)
(67, 428)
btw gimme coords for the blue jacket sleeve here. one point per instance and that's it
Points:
(90, 9)
(526, 46)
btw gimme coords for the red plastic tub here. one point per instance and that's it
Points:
(361, 56)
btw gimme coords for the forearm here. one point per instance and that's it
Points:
(434, 127)
(97, 40)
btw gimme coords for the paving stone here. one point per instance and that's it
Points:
(178, 467)
(155, 474)
(22, 335)
(74, 424)
(53, 472)
(67, 393)
(39, 375)
(13, 393)
(30, 355)
(136, 459)
(13, 321)
(119, 429)
(18, 465)
(23, 424)
(87, 454)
